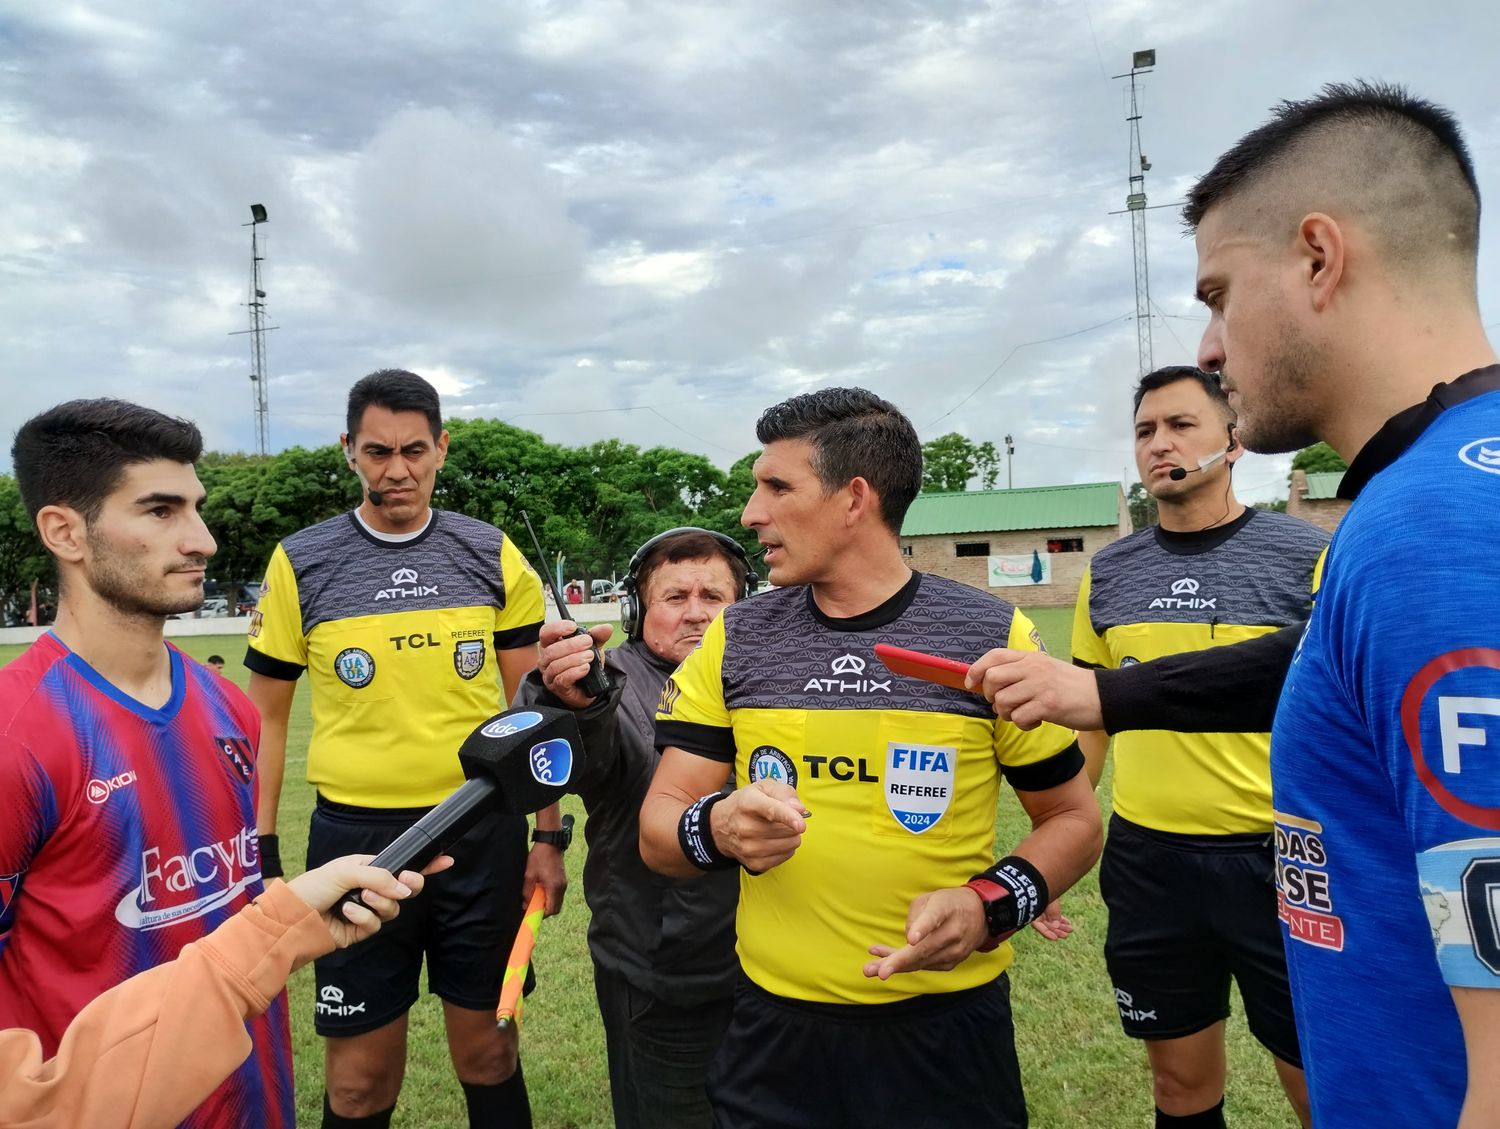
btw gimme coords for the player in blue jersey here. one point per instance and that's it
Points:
(127, 798)
(1337, 250)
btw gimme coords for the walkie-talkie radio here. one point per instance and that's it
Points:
(597, 682)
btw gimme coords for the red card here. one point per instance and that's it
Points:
(929, 668)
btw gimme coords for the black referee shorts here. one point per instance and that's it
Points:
(926, 1063)
(464, 921)
(1187, 912)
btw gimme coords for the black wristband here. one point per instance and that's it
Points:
(270, 858)
(696, 838)
(1026, 887)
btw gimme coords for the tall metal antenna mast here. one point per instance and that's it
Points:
(1135, 203)
(257, 331)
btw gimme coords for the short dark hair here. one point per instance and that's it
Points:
(1401, 159)
(215, 659)
(854, 433)
(395, 390)
(1171, 374)
(76, 453)
(692, 545)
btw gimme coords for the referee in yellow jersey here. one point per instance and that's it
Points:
(1188, 870)
(872, 931)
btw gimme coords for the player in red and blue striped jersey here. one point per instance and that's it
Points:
(127, 793)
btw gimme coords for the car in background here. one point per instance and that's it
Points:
(215, 607)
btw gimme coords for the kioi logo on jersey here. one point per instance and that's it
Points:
(181, 887)
(98, 790)
(405, 584)
(1185, 597)
(848, 665)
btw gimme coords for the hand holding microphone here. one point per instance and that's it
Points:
(518, 761)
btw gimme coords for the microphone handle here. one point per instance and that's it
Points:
(434, 833)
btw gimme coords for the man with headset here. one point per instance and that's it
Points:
(1187, 873)
(664, 962)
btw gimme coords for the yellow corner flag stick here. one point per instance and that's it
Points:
(509, 1010)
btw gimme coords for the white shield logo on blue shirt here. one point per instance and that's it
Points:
(919, 783)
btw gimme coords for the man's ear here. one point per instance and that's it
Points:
(1324, 255)
(63, 531)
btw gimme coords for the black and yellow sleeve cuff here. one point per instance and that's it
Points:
(711, 741)
(513, 637)
(1040, 775)
(261, 663)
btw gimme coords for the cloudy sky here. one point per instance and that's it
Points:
(650, 220)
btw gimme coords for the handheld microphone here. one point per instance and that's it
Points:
(519, 761)
(597, 682)
(1177, 473)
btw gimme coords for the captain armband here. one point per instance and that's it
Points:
(696, 837)
(1014, 894)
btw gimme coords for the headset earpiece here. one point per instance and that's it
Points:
(632, 613)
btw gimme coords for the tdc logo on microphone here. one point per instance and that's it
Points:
(507, 724)
(552, 761)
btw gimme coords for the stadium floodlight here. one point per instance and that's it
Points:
(257, 213)
(1143, 59)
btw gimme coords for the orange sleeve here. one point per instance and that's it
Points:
(146, 1052)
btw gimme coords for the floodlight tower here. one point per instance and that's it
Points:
(1135, 203)
(257, 305)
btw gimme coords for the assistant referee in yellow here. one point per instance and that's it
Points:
(403, 616)
(871, 933)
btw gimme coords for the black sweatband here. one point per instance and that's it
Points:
(696, 838)
(1028, 893)
(270, 858)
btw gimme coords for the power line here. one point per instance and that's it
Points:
(1014, 350)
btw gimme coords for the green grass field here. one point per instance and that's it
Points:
(1079, 1070)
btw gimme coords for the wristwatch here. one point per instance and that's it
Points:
(560, 839)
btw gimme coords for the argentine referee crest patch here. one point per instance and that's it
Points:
(919, 783)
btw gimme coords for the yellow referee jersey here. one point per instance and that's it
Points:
(902, 777)
(400, 641)
(1156, 593)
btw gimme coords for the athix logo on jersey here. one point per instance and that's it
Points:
(355, 667)
(181, 887)
(770, 763)
(1128, 1010)
(511, 723)
(331, 1002)
(1304, 890)
(552, 761)
(919, 783)
(468, 658)
(405, 583)
(1450, 717)
(1482, 454)
(98, 791)
(239, 752)
(844, 666)
(1184, 597)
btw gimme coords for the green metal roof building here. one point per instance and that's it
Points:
(1029, 545)
(1315, 498)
